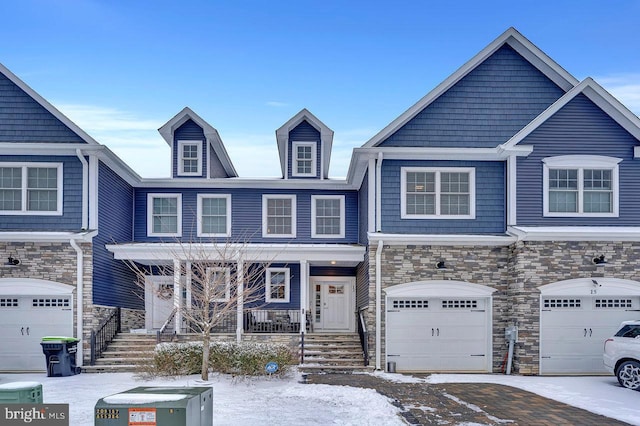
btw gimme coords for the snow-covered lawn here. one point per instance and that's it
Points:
(287, 402)
(253, 401)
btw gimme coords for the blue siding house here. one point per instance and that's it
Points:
(496, 219)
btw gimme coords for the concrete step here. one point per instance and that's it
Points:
(110, 368)
(343, 369)
(128, 354)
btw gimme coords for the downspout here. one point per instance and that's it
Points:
(85, 189)
(379, 193)
(79, 297)
(378, 303)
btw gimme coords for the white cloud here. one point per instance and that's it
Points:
(625, 87)
(277, 104)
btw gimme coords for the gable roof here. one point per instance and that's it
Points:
(47, 106)
(598, 95)
(326, 138)
(516, 41)
(210, 133)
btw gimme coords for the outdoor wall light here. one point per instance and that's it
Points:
(12, 261)
(600, 260)
(441, 265)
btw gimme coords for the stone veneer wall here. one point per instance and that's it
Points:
(54, 261)
(516, 272)
(402, 264)
(535, 263)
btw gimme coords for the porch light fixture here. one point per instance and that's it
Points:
(441, 265)
(12, 261)
(600, 260)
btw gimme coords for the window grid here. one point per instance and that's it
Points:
(51, 303)
(8, 303)
(411, 304)
(580, 190)
(279, 216)
(304, 159)
(31, 188)
(562, 303)
(459, 304)
(613, 303)
(214, 215)
(220, 281)
(328, 216)
(190, 158)
(431, 193)
(165, 214)
(277, 285)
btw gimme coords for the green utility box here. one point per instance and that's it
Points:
(21, 393)
(157, 406)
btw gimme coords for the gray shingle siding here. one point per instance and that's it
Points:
(580, 128)
(22, 119)
(490, 200)
(483, 109)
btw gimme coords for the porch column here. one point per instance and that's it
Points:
(240, 306)
(188, 281)
(304, 290)
(177, 295)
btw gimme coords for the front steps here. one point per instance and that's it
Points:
(332, 353)
(128, 352)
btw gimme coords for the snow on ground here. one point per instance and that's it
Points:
(598, 394)
(249, 401)
(264, 400)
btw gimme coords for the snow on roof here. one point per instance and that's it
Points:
(19, 385)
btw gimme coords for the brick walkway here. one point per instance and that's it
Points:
(481, 403)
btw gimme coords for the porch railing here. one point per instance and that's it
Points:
(104, 334)
(272, 321)
(166, 330)
(225, 323)
(364, 336)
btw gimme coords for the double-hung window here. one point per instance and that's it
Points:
(437, 193)
(164, 215)
(327, 216)
(277, 285)
(219, 282)
(31, 188)
(189, 158)
(304, 159)
(214, 215)
(279, 215)
(580, 185)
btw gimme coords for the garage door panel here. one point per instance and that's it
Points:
(447, 334)
(573, 330)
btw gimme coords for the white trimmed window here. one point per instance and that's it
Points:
(164, 215)
(278, 215)
(580, 185)
(304, 159)
(438, 193)
(31, 188)
(189, 158)
(278, 285)
(327, 216)
(214, 215)
(220, 281)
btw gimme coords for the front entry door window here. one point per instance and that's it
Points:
(332, 309)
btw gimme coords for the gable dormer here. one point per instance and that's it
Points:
(304, 145)
(196, 148)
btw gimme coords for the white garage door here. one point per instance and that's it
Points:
(438, 334)
(573, 330)
(26, 319)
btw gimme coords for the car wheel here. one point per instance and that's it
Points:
(629, 375)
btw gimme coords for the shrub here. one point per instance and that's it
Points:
(245, 358)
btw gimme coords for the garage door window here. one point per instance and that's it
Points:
(562, 303)
(51, 303)
(411, 304)
(8, 303)
(459, 304)
(614, 303)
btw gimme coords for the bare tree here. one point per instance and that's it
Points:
(218, 278)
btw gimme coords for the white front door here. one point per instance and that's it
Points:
(158, 301)
(333, 308)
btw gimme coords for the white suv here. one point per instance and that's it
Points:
(622, 354)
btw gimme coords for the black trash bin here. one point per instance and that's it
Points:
(60, 353)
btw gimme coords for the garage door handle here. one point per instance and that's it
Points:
(27, 331)
(590, 332)
(432, 332)
(438, 332)
(22, 331)
(585, 332)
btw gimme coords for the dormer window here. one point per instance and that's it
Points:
(304, 159)
(189, 158)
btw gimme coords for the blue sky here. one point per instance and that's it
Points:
(121, 69)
